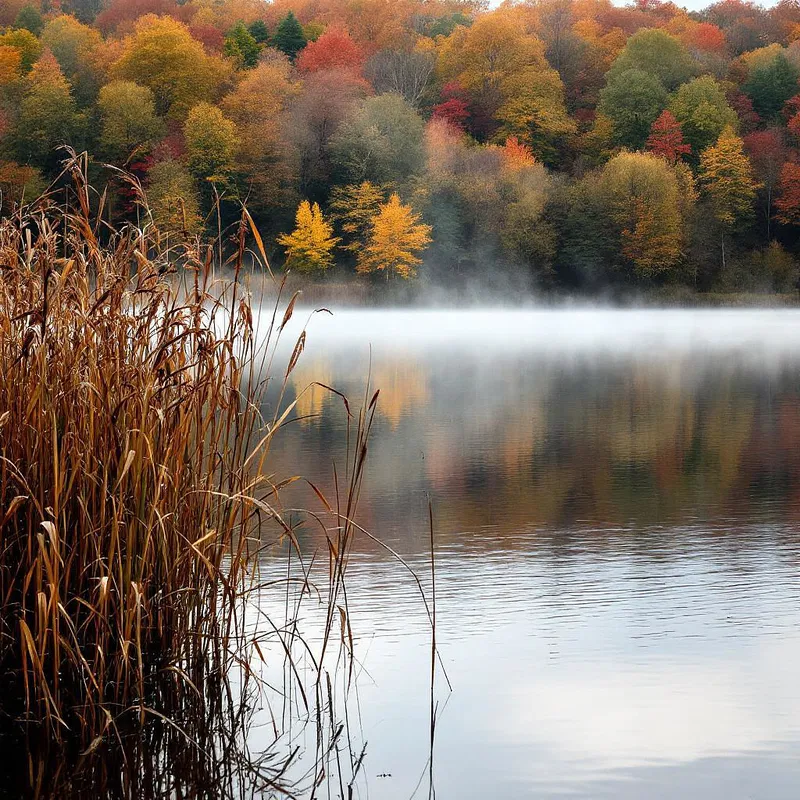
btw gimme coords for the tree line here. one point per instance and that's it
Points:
(570, 143)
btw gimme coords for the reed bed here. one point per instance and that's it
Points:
(134, 481)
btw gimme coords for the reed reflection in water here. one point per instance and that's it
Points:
(616, 498)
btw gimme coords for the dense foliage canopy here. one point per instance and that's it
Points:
(572, 144)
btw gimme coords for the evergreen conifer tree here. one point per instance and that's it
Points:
(289, 37)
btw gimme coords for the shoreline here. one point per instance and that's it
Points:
(347, 294)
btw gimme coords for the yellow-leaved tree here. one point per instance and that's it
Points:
(162, 55)
(354, 207)
(726, 176)
(309, 247)
(644, 197)
(503, 69)
(396, 237)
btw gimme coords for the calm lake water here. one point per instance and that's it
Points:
(616, 498)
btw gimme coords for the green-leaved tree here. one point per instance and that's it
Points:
(47, 118)
(289, 37)
(242, 47)
(211, 143)
(128, 121)
(632, 100)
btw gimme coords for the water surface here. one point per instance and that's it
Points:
(616, 497)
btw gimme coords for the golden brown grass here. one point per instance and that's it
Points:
(134, 497)
(133, 481)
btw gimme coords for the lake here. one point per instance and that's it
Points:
(616, 497)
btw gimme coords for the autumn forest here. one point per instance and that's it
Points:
(567, 145)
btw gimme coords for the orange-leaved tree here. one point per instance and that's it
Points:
(397, 236)
(517, 155)
(10, 64)
(259, 107)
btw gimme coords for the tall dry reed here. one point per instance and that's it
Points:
(133, 480)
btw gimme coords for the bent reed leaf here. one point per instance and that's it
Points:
(134, 493)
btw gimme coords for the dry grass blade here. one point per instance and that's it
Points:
(131, 457)
(134, 492)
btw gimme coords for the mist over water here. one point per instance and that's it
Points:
(569, 330)
(616, 497)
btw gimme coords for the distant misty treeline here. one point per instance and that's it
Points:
(562, 143)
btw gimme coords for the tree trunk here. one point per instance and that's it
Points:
(769, 212)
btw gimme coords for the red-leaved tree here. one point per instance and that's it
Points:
(707, 38)
(743, 106)
(788, 200)
(119, 13)
(791, 107)
(211, 37)
(793, 126)
(335, 49)
(666, 138)
(768, 152)
(791, 113)
(454, 108)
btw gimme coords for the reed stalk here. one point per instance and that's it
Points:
(134, 472)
